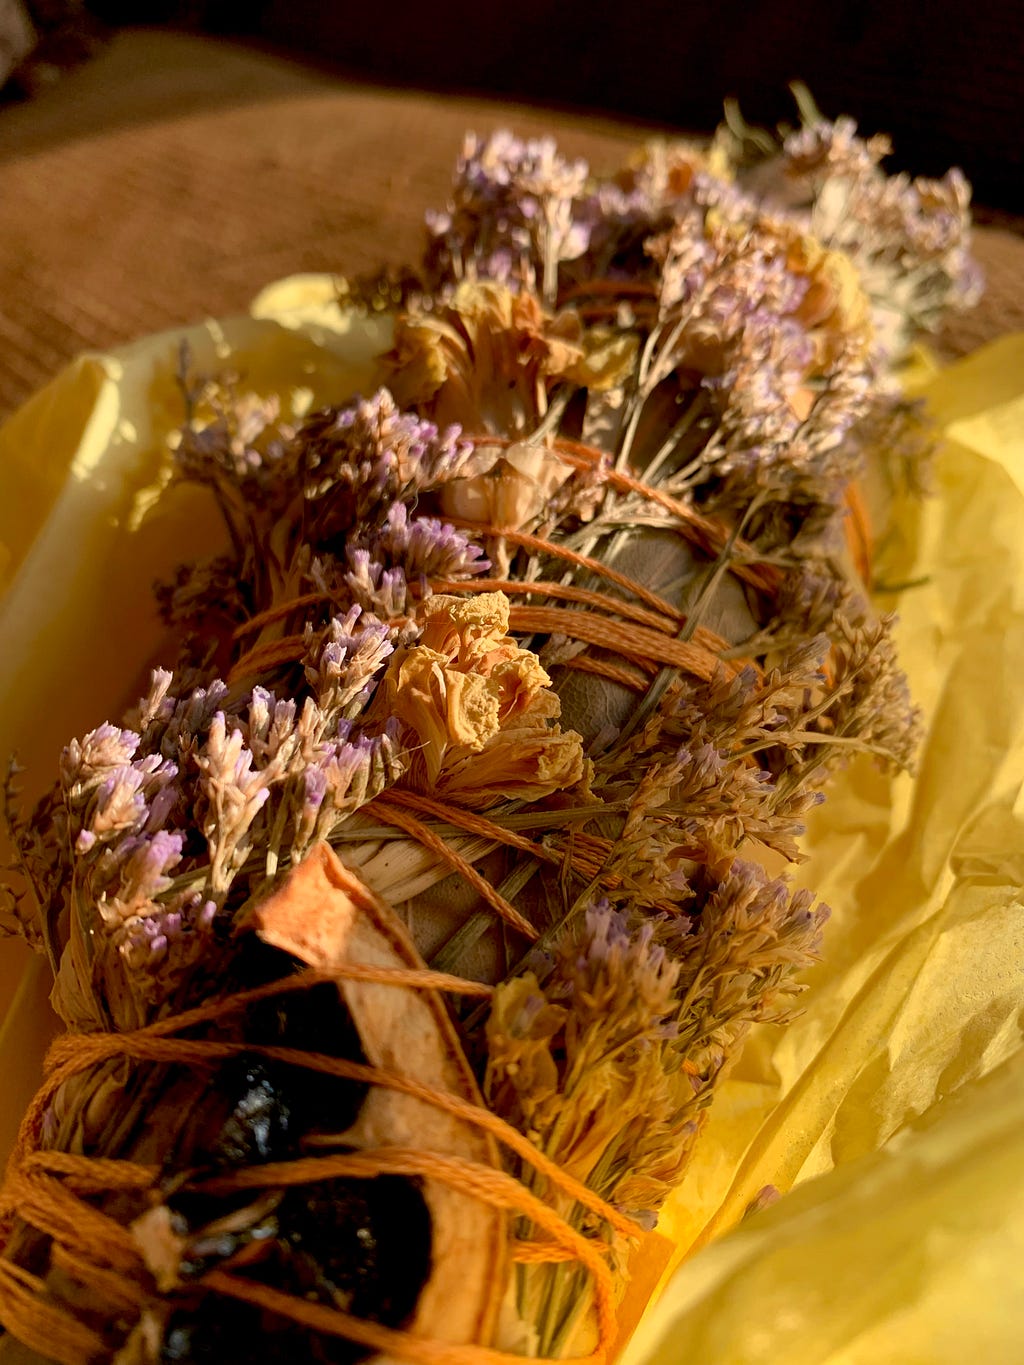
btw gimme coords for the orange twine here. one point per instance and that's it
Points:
(479, 825)
(416, 829)
(709, 534)
(568, 592)
(279, 610)
(262, 658)
(858, 531)
(41, 1326)
(46, 1189)
(386, 1340)
(631, 641)
(623, 674)
(603, 285)
(546, 1253)
(645, 644)
(540, 545)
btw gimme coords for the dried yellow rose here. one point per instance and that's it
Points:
(481, 706)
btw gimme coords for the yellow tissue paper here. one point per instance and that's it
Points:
(895, 1103)
(898, 1095)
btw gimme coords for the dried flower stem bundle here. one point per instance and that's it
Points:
(533, 658)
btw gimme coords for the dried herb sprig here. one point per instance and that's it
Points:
(610, 1060)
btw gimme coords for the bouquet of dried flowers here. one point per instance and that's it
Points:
(404, 930)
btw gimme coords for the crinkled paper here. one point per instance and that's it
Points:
(890, 1115)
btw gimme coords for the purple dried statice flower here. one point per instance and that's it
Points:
(768, 357)
(254, 780)
(88, 762)
(313, 790)
(242, 444)
(270, 728)
(157, 952)
(168, 725)
(134, 873)
(685, 259)
(373, 588)
(824, 148)
(909, 238)
(668, 183)
(346, 661)
(426, 547)
(615, 967)
(333, 479)
(230, 794)
(355, 462)
(738, 962)
(512, 214)
(104, 800)
(346, 774)
(349, 768)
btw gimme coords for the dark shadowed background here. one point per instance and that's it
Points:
(945, 77)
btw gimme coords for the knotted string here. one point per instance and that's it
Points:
(49, 1190)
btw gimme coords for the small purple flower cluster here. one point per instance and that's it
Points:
(909, 237)
(353, 462)
(405, 549)
(175, 823)
(331, 510)
(615, 964)
(513, 216)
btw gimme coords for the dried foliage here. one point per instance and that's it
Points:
(578, 567)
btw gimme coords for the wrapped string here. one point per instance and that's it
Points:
(49, 1189)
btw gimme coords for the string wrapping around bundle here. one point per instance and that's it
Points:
(48, 1189)
(643, 629)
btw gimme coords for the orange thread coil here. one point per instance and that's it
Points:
(623, 674)
(467, 820)
(709, 534)
(54, 1333)
(580, 561)
(387, 1340)
(78, 1052)
(631, 641)
(568, 592)
(416, 829)
(858, 531)
(123, 1295)
(48, 1186)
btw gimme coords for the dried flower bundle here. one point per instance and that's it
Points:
(517, 676)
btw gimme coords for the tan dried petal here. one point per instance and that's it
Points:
(512, 489)
(481, 707)
(608, 360)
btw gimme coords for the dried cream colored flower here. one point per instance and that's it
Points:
(835, 310)
(486, 359)
(507, 488)
(481, 707)
(665, 170)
